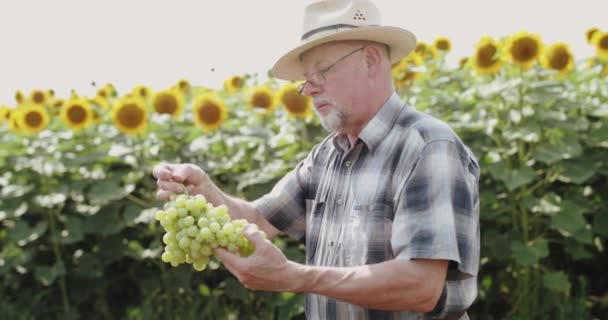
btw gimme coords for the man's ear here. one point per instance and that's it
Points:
(373, 59)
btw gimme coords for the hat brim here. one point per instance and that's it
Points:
(400, 41)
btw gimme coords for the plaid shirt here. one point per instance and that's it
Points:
(407, 189)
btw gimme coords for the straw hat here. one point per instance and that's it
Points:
(332, 20)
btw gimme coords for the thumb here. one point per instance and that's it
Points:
(187, 174)
(253, 234)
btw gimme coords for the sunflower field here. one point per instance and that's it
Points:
(79, 240)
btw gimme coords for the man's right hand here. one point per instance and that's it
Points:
(173, 178)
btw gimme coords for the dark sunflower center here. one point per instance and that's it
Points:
(604, 42)
(130, 116)
(236, 82)
(166, 103)
(77, 114)
(443, 45)
(560, 59)
(524, 49)
(38, 97)
(485, 55)
(295, 102)
(261, 100)
(33, 119)
(209, 113)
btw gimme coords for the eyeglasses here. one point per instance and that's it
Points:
(318, 77)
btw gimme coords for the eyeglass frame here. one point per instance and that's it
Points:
(324, 71)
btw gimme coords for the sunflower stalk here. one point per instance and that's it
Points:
(57, 253)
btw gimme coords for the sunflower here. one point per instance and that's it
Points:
(589, 34)
(442, 44)
(130, 116)
(209, 112)
(463, 62)
(425, 51)
(402, 71)
(234, 84)
(98, 107)
(32, 119)
(262, 98)
(524, 48)
(57, 103)
(297, 105)
(100, 102)
(600, 41)
(19, 97)
(39, 97)
(76, 113)
(183, 85)
(13, 121)
(487, 58)
(168, 102)
(142, 92)
(110, 90)
(558, 57)
(102, 93)
(5, 113)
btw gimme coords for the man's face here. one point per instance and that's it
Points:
(333, 90)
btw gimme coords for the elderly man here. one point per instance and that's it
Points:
(387, 204)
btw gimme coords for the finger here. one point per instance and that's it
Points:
(188, 174)
(229, 259)
(163, 195)
(163, 171)
(254, 234)
(171, 186)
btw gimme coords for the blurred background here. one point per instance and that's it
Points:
(93, 94)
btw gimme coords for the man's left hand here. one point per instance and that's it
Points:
(266, 269)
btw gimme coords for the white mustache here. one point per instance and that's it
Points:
(318, 100)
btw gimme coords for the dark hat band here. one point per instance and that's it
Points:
(333, 26)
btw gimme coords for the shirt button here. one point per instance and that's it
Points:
(348, 163)
(340, 201)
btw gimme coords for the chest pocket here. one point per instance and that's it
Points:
(367, 236)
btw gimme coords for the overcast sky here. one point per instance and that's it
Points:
(67, 44)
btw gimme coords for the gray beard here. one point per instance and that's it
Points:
(334, 121)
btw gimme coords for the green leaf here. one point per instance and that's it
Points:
(583, 236)
(23, 233)
(600, 223)
(512, 178)
(47, 275)
(569, 221)
(106, 221)
(130, 213)
(547, 153)
(548, 204)
(235, 290)
(73, 230)
(577, 251)
(88, 265)
(576, 171)
(598, 137)
(106, 191)
(529, 254)
(556, 281)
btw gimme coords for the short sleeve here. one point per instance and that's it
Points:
(437, 212)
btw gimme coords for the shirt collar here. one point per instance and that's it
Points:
(381, 123)
(376, 128)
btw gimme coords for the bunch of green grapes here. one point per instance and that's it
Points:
(194, 228)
